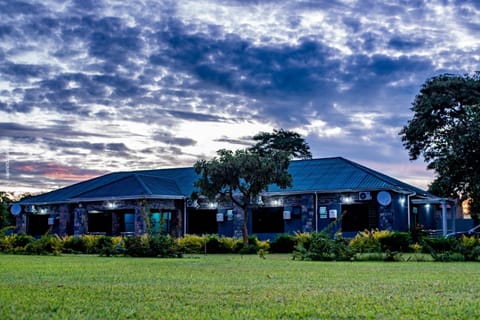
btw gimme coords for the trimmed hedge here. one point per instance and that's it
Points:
(366, 245)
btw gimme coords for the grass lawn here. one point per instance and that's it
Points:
(234, 287)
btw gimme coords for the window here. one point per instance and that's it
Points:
(161, 222)
(129, 222)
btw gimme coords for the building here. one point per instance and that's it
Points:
(326, 194)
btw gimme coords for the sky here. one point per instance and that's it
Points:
(89, 87)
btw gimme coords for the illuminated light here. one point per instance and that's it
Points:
(110, 205)
(401, 201)
(346, 199)
(212, 205)
(277, 203)
(427, 206)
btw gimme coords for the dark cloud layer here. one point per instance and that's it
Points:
(100, 85)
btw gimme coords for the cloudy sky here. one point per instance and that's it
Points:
(93, 86)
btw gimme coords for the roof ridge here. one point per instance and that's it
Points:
(124, 175)
(385, 178)
(142, 183)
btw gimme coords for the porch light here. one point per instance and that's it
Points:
(212, 205)
(401, 201)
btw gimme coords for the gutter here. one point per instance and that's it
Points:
(133, 197)
(409, 223)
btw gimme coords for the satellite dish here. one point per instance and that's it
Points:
(384, 198)
(15, 209)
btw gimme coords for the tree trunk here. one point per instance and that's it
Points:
(245, 226)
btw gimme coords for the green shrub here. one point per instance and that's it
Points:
(73, 244)
(248, 249)
(216, 244)
(443, 249)
(91, 243)
(162, 246)
(367, 241)
(395, 242)
(229, 244)
(150, 246)
(15, 243)
(105, 246)
(469, 247)
(7, 231)
(448, 256)
(284, 243)
(22, 240)
(137, 246)
(303, 239)
(253, 246)
(191, 243)
(439, 245)
(322, 248)
(47, 244)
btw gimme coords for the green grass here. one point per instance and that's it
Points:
(234, 287)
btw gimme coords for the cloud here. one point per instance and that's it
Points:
(104, 85)
(169, 139)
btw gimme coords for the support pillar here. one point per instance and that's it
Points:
(139, 221)
(21, 223)
(80, 225)
(444, 217)
(63, 220)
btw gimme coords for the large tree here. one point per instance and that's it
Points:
(242, 175)
(285, 140)
(445, 130)
(6, 218)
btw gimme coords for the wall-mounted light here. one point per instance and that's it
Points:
(401, 200)
(427, 206)
(347, 199)
(110, 205)
(212, 205)
(277, 203)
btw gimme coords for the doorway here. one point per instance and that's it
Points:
(359, 217)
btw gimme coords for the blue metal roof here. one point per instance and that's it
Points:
(339, 174)
(316, 175)
(133, 185)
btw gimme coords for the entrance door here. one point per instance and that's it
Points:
(37, 224)
(100, 223)
(202, 222)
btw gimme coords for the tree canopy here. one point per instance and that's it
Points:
(285, 140)
(445, 131)
(6, 218)
(242, 175)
